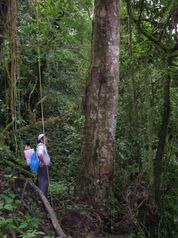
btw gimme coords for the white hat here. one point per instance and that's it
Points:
(40, 136)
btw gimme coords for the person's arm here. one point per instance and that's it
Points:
(40, 156)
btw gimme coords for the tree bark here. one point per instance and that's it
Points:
(12, 73)
(150, 130)
(134, 131)
(3, 18)
(100, 104)
(162, 139)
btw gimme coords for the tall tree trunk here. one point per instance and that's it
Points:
(136, 155)
(3, 18)
(162, 139)
(13, 60)
(100, 104)
(150, 131)
(12, 74)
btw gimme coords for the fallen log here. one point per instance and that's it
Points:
(60, 233)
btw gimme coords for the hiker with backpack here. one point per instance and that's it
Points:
(28, 151)
(44, 159)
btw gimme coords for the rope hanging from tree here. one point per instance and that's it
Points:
(40, 79)
(39, 64)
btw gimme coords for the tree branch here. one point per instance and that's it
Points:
(51, 212)
(150, 37)
(175, 48)
(46, 203)
(145, 33)
(141, 10)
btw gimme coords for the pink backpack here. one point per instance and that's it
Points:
(28, 151)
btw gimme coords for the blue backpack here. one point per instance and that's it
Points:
(35, 163)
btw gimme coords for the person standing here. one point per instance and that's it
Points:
(28, 151)
(42, 153)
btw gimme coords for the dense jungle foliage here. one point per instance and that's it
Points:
(51, 42)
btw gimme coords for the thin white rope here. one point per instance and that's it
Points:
(39, 66)
(40, 80)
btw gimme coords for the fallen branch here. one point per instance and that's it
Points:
(26, 182)
(51, 212)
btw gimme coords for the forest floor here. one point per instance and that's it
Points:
(76, 224)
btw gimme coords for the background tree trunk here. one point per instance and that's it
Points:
(13, 61)
(134, 131)
(162, 138)
(101, 103)
(3, 18)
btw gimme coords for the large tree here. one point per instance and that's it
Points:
(3, 18)
(100, 104)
